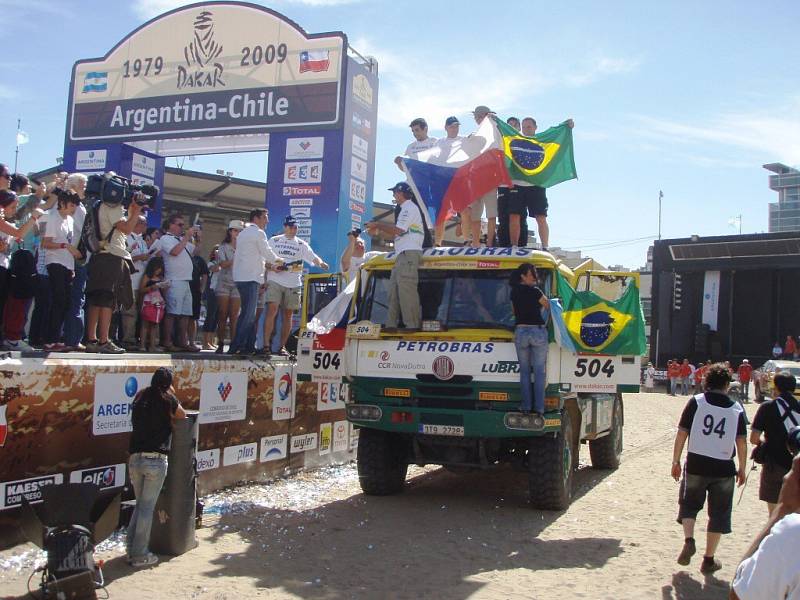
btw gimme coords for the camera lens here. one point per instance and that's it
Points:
(794, 440)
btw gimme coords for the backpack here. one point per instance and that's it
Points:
(22, 274)
(90, 234)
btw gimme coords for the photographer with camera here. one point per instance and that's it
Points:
(109, 268)
(355, 254)
(177, 248)
(771, 425)
(771, 566)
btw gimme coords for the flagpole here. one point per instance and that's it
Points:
(660, 196)
(16, 154)
(740, 224)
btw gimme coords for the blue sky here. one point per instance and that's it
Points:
(691, 98)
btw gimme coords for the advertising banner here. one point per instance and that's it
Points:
(113, 396)
(223, 397)
(711, 299)
(214, 68)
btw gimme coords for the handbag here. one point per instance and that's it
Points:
(759, 454)
(153, 312)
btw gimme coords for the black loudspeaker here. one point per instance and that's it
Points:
(173, 531)
(701, 336)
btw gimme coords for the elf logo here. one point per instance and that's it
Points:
(111, 476)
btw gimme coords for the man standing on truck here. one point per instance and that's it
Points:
(408, 233)
(717, 431)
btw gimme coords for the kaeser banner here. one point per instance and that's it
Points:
(711, 299)
(218, 68)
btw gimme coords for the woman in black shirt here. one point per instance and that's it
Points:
(530, 336)
(154, 409)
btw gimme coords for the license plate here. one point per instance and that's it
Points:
(454, 430)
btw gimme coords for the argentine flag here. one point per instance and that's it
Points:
(95, 81)
(560, 331)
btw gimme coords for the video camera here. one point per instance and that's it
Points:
(355, 232)
(793, 440)
(114, 189)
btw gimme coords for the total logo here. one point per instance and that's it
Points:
(111, 476)
(224, 388)
(284, 387)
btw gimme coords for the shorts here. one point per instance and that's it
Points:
(720, 500)
(286, 298)
(489, 201)
(530, 199)
(179, 299)
(771, 481)
(108, 283)
(227, 289)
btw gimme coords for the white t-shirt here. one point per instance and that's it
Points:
(357, 261)
(410, 221)
(773, 571)
(136, 246)
(177, 268)
(449, 146)
(416, 146)
(61, 230)
(291, 250)
(252, 253)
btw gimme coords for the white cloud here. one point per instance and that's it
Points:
(7, 92)
(600, 67)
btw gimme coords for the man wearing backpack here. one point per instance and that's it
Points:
(109, 281)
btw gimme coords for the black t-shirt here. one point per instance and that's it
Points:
(697, 464)
(152, 422)
(527, 310)
(768, 421)
(199, 268)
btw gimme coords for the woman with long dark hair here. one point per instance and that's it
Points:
(154, 409)
(530, 336)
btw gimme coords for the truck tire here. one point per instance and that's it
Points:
(381, 468)
(607, 451)
(551, 465)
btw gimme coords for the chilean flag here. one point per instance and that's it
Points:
(449, 184)
(316, 61)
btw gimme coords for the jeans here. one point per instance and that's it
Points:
(73, 324)
(60, 285)
(531, 343)
(746, 389)
(147, 476)
(41, 311)
(673, 385)
(685, 386)
(245, 340)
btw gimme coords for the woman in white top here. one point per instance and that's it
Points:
(228, 300)
(62, 250)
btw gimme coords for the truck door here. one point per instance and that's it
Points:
(320, 357)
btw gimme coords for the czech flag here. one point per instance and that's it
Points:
(448, 184)
(316, 61)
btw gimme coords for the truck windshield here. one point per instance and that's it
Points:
(458, 299)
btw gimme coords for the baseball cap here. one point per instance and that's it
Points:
(450, 121)
(236, 224)
(481, 110)
(745, 361)
(289, 221)
(402, 187)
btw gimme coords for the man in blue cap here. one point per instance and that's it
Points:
(409, 235)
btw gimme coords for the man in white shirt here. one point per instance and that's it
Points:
(285, 284)
(419, 127)
(409, 235)
(471, 217)
(74, 321)
(448, 146)
(177, 249)
(139, 256)
(253, 254)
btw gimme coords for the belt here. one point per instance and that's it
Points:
(151, 454)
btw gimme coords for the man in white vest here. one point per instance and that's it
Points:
(716, 429)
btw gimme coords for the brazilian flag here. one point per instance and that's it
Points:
(585, 322)
(543, 160)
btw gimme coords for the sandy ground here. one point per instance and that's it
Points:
(449, 536)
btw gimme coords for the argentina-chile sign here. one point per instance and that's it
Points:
(213, 68)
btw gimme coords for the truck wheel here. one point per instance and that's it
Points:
(381, 468)
(606, 451)
(551, 464)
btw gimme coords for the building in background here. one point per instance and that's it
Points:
(784, 215)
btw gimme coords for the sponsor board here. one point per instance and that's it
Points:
(305, 148)
(325, 438)
(12, 492)
(113, 396)
(331, 395)
(302, 172)
(140, 180)
(207, 459)
(358, 169)
(304, 231)
(597, 373)
(105, 478)
(362, 123)
(303, 443)
(358, 191)
(273, 447)
(301, 190)
(355, 218)
(341, 436)
(143, 165)
(302, 211)
(243, 453)
(360, 147)
(223, 397)
(283, 393)
(301, 202)
(90, 160)
(356, 207)
(362, 90)
(303, 222)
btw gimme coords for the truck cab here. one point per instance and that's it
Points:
(449, 394)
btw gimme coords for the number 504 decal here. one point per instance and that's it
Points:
(594, 367)
(327, 360)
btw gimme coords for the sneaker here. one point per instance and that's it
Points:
(78, 347)
(92, 346)
(220, 349)
(147, 560)
(191, 348)
(710, 565)
(110, 348)
(687, 553)
(19, 346)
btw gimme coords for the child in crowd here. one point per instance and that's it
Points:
(153, 304)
